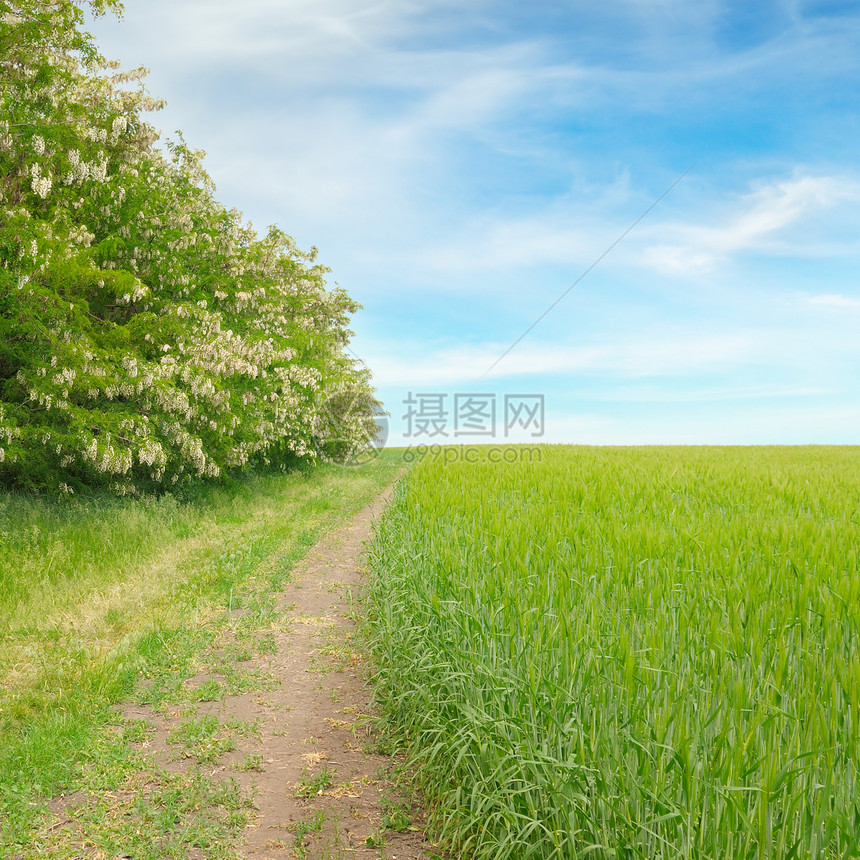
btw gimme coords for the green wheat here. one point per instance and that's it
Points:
(629, 653)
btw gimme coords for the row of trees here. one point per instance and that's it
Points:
(148, 336)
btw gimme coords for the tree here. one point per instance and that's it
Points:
(148, 335)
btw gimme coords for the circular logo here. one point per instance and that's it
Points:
(354, 449)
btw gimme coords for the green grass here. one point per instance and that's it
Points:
(251, 762)
(312, 784)
(104, 600)
(303, 829)
(201, 738)
(629, 653)
(157, 817)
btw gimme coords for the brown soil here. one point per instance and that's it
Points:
(314, 721)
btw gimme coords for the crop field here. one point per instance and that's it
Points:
(628, 652)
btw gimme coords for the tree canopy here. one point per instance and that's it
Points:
(148, 335)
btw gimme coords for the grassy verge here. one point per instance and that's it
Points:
(638, 653)
(102, 600)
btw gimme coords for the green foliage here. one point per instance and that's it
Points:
(312, 784)
(148, 335)
(638, 653)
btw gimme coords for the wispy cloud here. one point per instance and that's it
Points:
(460, 164)
(710, 394)
(752, 425)
(760, 222)
(298, 31)
(835, 300)
(493, 244)
(674, 357)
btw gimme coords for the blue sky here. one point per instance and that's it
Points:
(461, 164)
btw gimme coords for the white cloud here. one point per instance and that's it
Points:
(459, 148)
(760, 223)
(756, 424)
(301, 48)
(573, 228)
(298, 31)
(835, 300)
(351, 111)
(710, 394)
(512, 242)
(660, 356)
(323, 111)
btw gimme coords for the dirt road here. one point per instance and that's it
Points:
(322, 789)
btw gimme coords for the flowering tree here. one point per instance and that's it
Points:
(148, 336)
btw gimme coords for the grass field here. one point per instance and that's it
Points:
(629, 653)
(98, 593)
